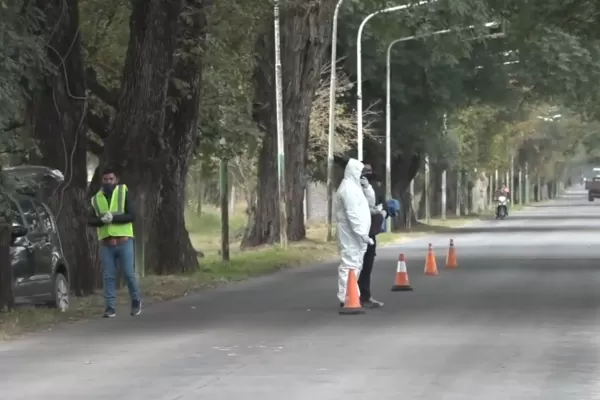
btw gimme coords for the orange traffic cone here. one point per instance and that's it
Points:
(451, 258)
(352, 304)
(430, 264)
(401, 283)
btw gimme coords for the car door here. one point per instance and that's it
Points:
(38, 239)
(44, 267)
(20, 259)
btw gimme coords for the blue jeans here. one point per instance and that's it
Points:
(109, 256)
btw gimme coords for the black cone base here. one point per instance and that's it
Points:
(351, 311)
(402, 289)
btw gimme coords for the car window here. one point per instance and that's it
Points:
(31, 216)
(45, 218)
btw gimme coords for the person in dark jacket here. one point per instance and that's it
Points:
(378, 215)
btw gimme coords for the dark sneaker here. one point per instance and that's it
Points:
(109, 313)
(341, 305)
(371, 303)
(136, 307)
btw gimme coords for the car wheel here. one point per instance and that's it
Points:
(61, 293)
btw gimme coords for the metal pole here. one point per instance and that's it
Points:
(474, 206)
(388, 134)
(496, 180)
(520, 186)
(490, 190)
(526, 183)
(427, 206)
(411, 191)
(511, 180)
(359, 110)
(280, 143)
(224, 186)
(444, 173)
(459, 192)
(332, 99)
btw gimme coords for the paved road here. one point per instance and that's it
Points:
(517, 320)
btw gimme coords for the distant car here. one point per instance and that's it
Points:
(40, 271)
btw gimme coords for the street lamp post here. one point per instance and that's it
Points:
(359, 109)
(511, 180)
(280, 137)
(332, 99)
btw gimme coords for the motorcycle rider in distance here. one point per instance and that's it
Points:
(503, 191)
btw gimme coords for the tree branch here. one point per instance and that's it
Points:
(13, 126)
(110, 97)
(99, 124)
(94, 147)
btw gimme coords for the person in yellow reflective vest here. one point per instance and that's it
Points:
(113, 215)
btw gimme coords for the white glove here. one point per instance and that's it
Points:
(364, 182)
(107, 218)
(379, 208)
(368, 240)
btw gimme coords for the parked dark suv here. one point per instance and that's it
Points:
(39, 267)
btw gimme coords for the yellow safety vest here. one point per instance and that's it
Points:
(117, 207)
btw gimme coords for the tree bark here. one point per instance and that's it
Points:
(305, 36)
(405, 170)
(58, 117)
(136, 145)
(176, 253)
(7, 298)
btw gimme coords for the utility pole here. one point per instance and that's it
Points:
(224, 187)
(526, 182)
(280, 137)
(427, 205)
(332, 99)
(511, 180)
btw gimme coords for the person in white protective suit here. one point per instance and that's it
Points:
(353, 219)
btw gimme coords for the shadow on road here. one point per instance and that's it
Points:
(561, 205)
(515, 229)
(547, 217)
(523, 229)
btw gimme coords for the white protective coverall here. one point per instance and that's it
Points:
(353, 219)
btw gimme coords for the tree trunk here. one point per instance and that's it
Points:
(406, 169)
(176, 253)
(58, 117)
(136, 146)
(7, 298)
(199, 194)
(305, 36)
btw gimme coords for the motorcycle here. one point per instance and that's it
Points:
(502, 207)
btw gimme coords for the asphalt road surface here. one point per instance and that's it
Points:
(517, 320)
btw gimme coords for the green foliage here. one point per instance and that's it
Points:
(227, 92)
(105, 30)
(547, 145)
(22, 59)
(490, 88)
